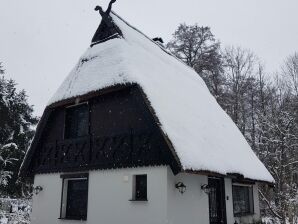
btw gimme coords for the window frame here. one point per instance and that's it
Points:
(63, 202)
(250, 198)
(65, 117)
(134, 188)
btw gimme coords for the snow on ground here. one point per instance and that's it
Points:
(3, 220)
(203, 135)
(15, 211)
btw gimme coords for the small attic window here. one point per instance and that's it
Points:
(76, 121)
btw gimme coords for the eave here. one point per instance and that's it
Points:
(234, 176)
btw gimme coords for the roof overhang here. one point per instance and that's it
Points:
(234, 176)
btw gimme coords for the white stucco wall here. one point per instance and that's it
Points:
(190, 207)
(46, 205)
(108, 198)
(110, 191)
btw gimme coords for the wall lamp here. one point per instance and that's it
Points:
(206, 188)
(37, 189)
(181, 187)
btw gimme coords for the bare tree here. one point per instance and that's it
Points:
(290, 73)
(264, 109)
(278, 150)
(198, 48)
(239, 67)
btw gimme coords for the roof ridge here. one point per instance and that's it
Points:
(150, 39)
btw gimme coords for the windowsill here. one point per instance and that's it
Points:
(73, 218)
(144, 200)
(244, 214)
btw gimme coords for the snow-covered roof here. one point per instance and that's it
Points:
(203, 136)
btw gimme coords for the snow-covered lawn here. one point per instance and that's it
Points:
(15, 211)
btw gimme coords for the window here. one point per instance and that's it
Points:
(74, 197)
(76, 121)
(242, 200)
(140, 188)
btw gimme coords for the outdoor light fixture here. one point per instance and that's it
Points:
(181, 187)
(37, 189)
(205, 188)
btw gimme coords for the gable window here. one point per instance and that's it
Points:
(242, 200)
(140, 188)
(76, 121)
(74, 197)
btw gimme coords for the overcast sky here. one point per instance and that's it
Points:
(40, 41)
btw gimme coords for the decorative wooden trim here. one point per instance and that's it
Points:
(87, 153)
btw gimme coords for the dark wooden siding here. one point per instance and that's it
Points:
(54, 127)
(118, 113)
(122, 133)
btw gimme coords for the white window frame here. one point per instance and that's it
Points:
(65, 179)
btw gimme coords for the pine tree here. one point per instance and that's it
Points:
(16, 131)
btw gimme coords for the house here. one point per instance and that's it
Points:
(134, 136)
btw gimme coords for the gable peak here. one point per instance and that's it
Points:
(107, 29)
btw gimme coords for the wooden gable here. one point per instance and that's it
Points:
(123, 132)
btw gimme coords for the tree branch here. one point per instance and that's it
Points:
(269, 206)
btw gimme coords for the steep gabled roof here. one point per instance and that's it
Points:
(203, 136)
